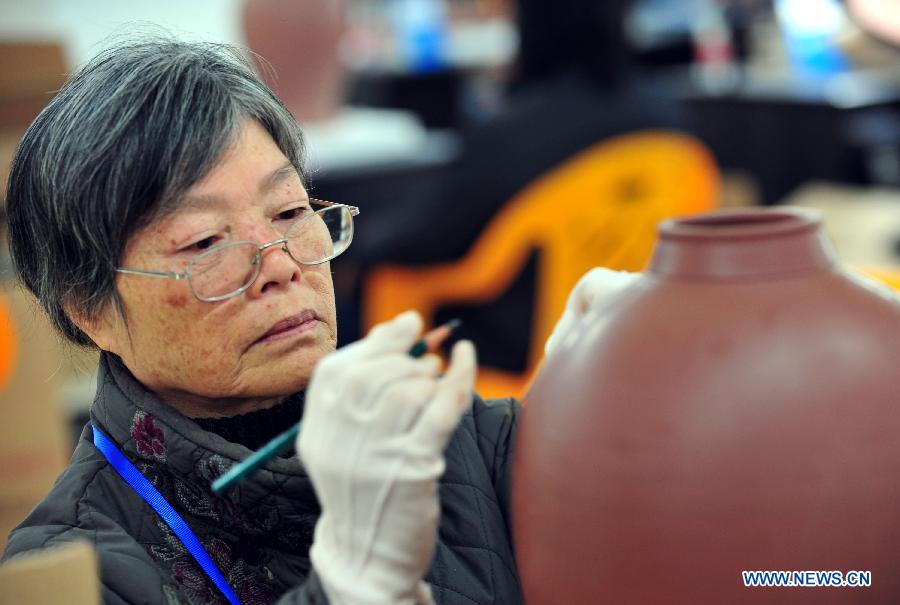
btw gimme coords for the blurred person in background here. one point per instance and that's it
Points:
(158, 211)
(573, 86)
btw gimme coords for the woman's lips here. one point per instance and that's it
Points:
(290, 327)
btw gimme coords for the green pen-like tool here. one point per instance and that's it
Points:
(280, 444)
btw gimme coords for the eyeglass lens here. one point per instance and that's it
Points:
(314, 239)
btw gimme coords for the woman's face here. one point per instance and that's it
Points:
(232, 356)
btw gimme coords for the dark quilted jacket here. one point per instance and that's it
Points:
(253, 532)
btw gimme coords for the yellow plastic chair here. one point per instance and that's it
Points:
(9, 346)
(886, 275)
(599, 208)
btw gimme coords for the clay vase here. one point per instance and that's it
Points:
(737, 408)
(300, 41)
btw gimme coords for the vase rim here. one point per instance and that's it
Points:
(742, 223)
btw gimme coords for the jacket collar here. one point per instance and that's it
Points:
(151, 431)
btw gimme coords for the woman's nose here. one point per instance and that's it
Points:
(277, 268)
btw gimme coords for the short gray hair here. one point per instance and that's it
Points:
(114, 150)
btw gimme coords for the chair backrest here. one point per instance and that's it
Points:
(63, 574)
(9, 346)
(599, 208)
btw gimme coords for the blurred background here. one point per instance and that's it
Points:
(497, 150)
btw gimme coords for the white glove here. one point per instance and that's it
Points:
(594, 287)
(375, 426)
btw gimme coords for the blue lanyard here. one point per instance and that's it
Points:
(151, 496)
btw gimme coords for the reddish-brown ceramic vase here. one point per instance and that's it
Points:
(300, 40)
(738, 408)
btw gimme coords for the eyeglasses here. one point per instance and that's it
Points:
(228, 269)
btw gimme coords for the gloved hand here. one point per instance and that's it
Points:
(594, 287)
(375, 425)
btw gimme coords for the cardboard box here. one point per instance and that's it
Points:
(35, 445)
(30, 74)
(65, 574)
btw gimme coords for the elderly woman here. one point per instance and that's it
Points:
(157, 210)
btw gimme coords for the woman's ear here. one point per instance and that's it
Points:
(101, 326)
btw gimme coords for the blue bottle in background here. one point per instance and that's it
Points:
(420, 28)
(809, 28)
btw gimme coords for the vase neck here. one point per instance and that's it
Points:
(742, 244)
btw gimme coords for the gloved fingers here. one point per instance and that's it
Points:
(397, 335)
(374, 398)
(374, 384)
(394, 336)
(423, 594)
(597, 284)
(592, 288)
(355, 387)
(401, 403)
(452, 398)
(562, 328)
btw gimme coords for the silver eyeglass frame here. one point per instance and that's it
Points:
(257, 262)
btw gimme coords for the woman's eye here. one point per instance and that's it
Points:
(292, 214)
(203, 244)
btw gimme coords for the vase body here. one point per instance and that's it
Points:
(738, 408)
